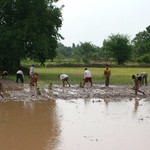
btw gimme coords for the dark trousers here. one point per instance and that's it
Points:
(144, 79)
(19, 77)
(106, 81)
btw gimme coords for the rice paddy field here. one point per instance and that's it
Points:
(120, 76)
(98, 117)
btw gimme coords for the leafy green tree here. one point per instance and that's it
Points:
(141, 43)
(119, 46)
(144, 58)
(64, 50)
(29, 28)
(104, 55)
(85, 51)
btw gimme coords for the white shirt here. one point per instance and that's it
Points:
(87, 74)
(142, 74)
(31, 72)
(20, 72)
(63, 76)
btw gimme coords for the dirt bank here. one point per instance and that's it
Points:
(14, 91)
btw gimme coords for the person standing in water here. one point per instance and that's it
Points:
(31, 71)
(34, 85)
(107, 74)
(31, 76)
(87, 77)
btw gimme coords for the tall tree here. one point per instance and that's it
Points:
(86, 51)
(141, 42)
(29, 28)
(119, 46)
(64, 50)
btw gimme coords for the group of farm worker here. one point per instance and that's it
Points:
(139, 79)
(20, 77)
(87, 77)
(32, 75)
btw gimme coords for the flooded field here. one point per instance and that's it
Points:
(76, 124)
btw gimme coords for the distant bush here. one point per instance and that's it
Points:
(145, 58)
(85, 60)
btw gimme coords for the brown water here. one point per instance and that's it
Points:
(75, 125)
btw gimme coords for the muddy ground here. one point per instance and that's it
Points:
(14, 91)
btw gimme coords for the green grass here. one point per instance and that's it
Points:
(120, 76)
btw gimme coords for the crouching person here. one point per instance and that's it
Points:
(142, 78)
(19, 76)
(4, 74)
(64, 78)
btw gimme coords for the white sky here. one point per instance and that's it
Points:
(95, 20)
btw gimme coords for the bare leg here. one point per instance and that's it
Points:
(141, 92)
(83, 84)
(68, 83)
(1, 95)
(91, 83)
(146, 80)
(63, 83)
(135, 92)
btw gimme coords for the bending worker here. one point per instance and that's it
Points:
(143, 78)
(64, 78)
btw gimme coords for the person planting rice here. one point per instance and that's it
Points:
(87, 77)
(19, 76)
(64, 78)
(31, 73)
(136, 85)
(142, 77)
(4, 74)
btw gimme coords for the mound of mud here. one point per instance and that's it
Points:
(98, 92)
(9, 85)
(14, 91)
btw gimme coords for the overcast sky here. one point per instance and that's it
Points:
(95, 20)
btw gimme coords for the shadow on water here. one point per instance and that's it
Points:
(77, 124)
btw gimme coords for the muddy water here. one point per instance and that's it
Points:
(75, 125)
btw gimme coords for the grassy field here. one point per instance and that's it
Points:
(120, 76)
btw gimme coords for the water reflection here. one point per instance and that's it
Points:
(94, 125)
(79, 124)
(28, 125)
(136, 105)
(106, 101)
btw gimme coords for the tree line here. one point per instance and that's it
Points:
(118, 48)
